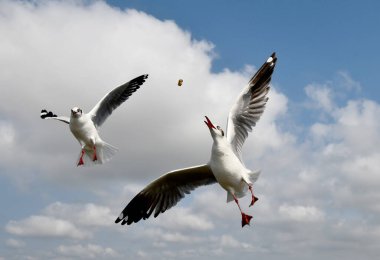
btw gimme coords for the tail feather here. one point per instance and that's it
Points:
(253, 176)
(104, 153)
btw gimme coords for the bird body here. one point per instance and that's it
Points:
(226, 165)
(84, 130)
(84, 126)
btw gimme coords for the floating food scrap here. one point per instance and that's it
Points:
(180, 82)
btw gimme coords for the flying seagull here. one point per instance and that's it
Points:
(85, 126)
(225, 166)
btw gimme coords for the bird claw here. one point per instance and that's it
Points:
(95, 158)
(254, 199)
(245, 219)
(80, 162)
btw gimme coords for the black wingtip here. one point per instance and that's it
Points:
(44, 114)
(274, 57)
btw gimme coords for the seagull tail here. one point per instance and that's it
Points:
(253, 176)
(104, 153)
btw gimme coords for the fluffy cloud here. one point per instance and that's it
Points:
(317, 178)
(44, 226)
(77, 221)
(301, 213)
(15, 243)
(85, 215)
(90, 251)
(183, 219)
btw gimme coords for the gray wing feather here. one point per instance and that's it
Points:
(113, 99)
(164, 193)
(249, 106)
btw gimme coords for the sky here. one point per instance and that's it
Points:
(317, 143)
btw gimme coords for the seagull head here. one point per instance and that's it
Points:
(76, 112)
(215, 131)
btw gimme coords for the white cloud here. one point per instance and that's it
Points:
(109, 47)
(347, 82)
(82, 214)
(301, 213)
(229, 241)
(15, 243)
(7, 134)
(91, 251)
(54, 52)
(321, 95)
(44, 226)
(158, 234)
(180, 218)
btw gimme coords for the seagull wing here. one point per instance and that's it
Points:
(50, 115)
(249, 106)
(164, 193)
(113, 99)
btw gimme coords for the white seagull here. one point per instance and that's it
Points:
(85, 126)
(225, 166)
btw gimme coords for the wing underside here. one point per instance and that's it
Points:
(249, 106)
(165, 192)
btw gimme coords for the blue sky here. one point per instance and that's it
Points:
(314, 38)
(316, 144)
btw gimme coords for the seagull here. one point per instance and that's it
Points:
(84, 127)
(226, 165)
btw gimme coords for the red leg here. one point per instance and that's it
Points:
(95, 157)
(81, 159)
(254, 199)
(245, 219)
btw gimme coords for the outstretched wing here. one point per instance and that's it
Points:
(165, 192)
(50, 115)
(115, 98)
(249, 106)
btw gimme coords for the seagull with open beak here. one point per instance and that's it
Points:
(226, 165)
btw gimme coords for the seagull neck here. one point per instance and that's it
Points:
(219, 145)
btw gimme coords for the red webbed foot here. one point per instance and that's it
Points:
(245, 219)
(254, 199)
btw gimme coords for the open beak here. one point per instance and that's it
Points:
(208, 123)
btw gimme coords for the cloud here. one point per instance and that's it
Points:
(321, 96)
(77, 221)
(108, 47)
(228, 241)
(180, 218)
(15, 243)
(7, 133)
(44, 226)
(89, 251)
(319, 175)
(301, 213)
(85, 215)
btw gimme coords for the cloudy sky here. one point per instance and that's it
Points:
(317, 143)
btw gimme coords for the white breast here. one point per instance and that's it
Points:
(83, 129)
(227, 168)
